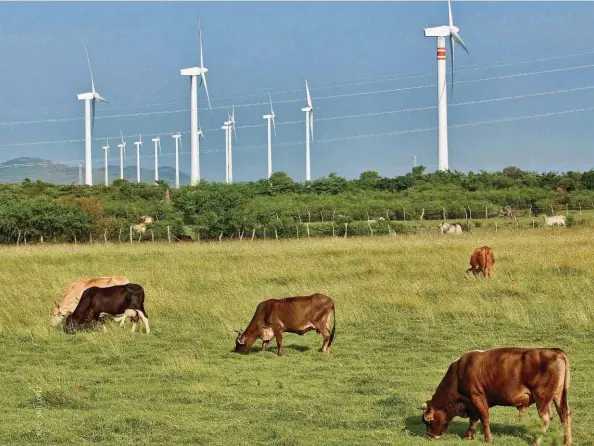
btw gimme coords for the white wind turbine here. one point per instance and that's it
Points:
(90, 99)
(122, 148)
(138, 145)
(194, 72)
(229, 125)
(441, 32)
(270, 117)
(106, 149)
(157, 142)
(308, 126)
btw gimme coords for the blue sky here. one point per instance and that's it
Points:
(251, 48)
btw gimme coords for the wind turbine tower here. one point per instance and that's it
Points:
(308, 126)
(122, 148)
(441, 32)
(194, 72)
(157, 142)
(177, 137)
(90, 99)
(106, 149)
(270, 117)
(138, 145)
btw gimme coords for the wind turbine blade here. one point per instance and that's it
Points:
(90, 71)
(206, 89)
(93, 113)
(201, 134)
(200, 41)
(160, 150)
(273, 126)
(308, 95)
(450, 12)
(458, 40)
(122, 136)
(452, 46)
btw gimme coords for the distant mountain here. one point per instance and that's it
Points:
(16, 170)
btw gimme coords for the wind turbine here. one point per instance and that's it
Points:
(308, 126)
(106, 149)
(226, 126)
(194, 72)
(229, 125)
(441, 32)
(90, 99)
(122, 147)
(138, 145)
(269, 118)
(157, 142)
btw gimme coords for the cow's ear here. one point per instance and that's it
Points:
(428, 413)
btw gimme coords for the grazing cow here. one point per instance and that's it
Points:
(510, 376)
(450, 228)
(482, 261)
(115, 300)
(555, 220)
(298, 315)
(184, 238)
(74, 291)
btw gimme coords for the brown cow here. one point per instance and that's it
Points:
(75, 290)
(511, 376)
(298, 314)
(482, 261)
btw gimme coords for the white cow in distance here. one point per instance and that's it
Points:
(450, 228)
(555, 220)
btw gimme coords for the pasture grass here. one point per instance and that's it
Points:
(405, 311)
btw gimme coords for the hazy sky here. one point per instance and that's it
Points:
(250, 48)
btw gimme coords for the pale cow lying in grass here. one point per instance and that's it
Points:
(558, 220)
(450, 228)
(74, 292)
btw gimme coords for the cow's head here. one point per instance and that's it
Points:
(57, 316)
(435, 420)
(242, 342)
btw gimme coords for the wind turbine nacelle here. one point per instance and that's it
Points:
(267, 116)
(85, 96)
(306, 109)
(194, 71)
(437, 31)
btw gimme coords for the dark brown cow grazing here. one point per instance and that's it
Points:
(298, 315)
(513, 376)
(482, 261)
(115, 300)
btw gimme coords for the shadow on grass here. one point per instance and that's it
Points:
(415, 425)
(297, 347)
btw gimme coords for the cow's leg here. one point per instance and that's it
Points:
(265, 345)
(144, 321)
(565, 416)
(543, 405)
(483, 409)
(472, 428)
(278, 334)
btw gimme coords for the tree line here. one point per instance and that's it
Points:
(281, 207)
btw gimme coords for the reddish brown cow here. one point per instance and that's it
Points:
(482, 261)
(511, 376)
(298, 315)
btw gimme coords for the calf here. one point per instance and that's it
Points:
(126, 300)
(482, 261)
(298, 315)
(511, 376)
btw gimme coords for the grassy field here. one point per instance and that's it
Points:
(405, 311)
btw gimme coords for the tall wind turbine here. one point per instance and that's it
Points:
(138, 145)
(90, 99)
(269, 118)
(308, 126)
(122, 148)
(157, 142)
(227, 127)
(106, 149)
(441, 32)
(194, 73)
(177, 137)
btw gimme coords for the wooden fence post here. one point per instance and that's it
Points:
(370, 228)
(74, 240)
(120, 235)
(19, 238)
(105, 235)
(220, 237)
(333, 233)
(444, 214)
(307, 226)
(253, 233)
(168, 234)
(404, 212)
(297, 226)
(486, 211)
(152, 236)
(422, 214)
(131, 240)
(346, 229)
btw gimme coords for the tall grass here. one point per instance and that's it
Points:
(405, 311)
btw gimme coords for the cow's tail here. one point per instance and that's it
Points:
(333, 334)
(565, 412)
